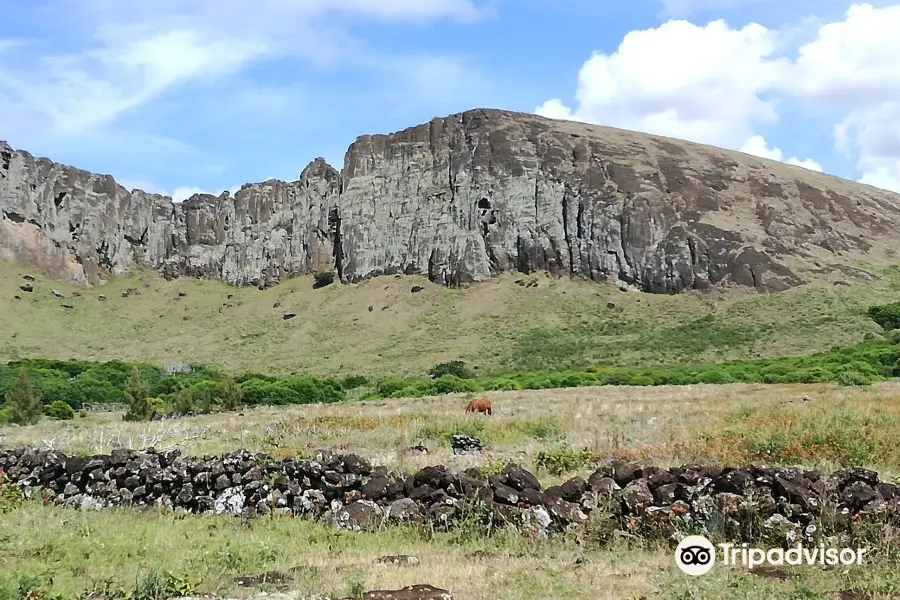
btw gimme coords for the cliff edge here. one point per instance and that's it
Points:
(462, 199)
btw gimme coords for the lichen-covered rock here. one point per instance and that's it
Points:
(405, 510)
(537, 520)
(460, 199)
(637, 496)
(362, 515)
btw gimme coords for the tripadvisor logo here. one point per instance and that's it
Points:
(696, 555)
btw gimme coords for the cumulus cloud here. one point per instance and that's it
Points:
(715, 84)
(182, 193)
(853, 66)
(757, 146)
(179, 194)
(681, 80)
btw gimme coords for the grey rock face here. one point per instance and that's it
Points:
(462, 199)
(83, 227)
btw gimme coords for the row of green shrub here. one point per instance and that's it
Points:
(861, 364)
(71, 383)
(64, 386)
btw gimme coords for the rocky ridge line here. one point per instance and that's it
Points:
(464, 198)
(746, 503)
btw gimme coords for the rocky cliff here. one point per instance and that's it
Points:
(464, 198)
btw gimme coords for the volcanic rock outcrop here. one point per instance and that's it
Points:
(461, 199)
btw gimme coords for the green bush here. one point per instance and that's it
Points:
(158, 585)
(294, 390)
(814, 375)
(23, 401)
(456, 368)
(351, 382)
(310, 390)
(450, 384)
(180, 402)
(157, 405)
(388, 387)
(260, 376)
(502, 384)
(137, 395)
(206, 395)
(59, 410)
(558, 462)
(886, 315)
(232, 397)
(853, 378)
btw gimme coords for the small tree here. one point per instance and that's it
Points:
(23, 402)
(232, 396)
(457, 368)
(137, 395)
(181, 402)
(59, 410)
(203, 399)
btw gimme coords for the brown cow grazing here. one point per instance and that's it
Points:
(480, 405)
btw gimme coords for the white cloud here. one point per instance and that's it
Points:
(403, 10)
(139, 184)
(853, 60)
(8, 44)
(714, 84)
(806, 163)
(113, 58)
(179, 194)
(853, 65)
(681, 80)
(757, 146)
(182, 193)
(554, 108)
(79, 92)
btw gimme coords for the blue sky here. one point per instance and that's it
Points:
(179, 96)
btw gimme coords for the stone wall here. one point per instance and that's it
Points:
(748, 503)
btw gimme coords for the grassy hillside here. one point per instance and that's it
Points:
(379, 327)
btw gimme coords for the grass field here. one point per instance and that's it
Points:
(735, 424)
(379, 328)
